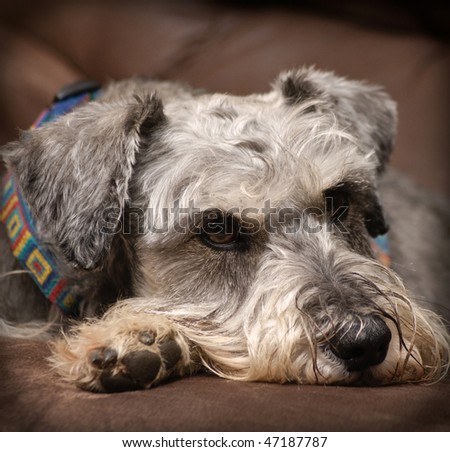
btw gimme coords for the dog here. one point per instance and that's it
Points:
(232, 234)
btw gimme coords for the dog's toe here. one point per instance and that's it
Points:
(168, 348)
(147, 337)
(118, 382)
(137, 370)
(171, 353)
(103, 358)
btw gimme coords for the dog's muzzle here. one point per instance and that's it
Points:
(364, 344)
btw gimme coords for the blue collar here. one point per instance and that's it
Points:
(20, 228)
(380, 248)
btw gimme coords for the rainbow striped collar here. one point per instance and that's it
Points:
(20, 228)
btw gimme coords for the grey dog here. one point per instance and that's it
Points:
(210, 231)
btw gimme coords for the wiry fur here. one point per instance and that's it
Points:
(266, 311)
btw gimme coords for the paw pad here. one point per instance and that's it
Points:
(171, 353)
(102, 358)
(147, 337)
(137, 369)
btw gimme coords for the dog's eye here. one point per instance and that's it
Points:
(219, 230)
(337, 203)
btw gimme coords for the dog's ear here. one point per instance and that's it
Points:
(74, 168)
(365, 110)
(374, 219)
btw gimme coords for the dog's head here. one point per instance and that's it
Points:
(250, 219)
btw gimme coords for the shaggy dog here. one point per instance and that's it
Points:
(230, 233)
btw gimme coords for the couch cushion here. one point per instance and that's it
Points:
(33, 397)
(218, 46)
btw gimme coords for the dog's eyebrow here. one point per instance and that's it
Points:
(350, 186)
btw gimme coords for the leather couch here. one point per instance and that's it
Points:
(225, 46)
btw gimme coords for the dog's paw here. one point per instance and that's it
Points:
(137, 369)
(123, 357)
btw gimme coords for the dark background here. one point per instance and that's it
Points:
(237, 47)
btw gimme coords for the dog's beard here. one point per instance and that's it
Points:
(297, 302)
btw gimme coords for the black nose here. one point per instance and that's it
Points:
(363, 345)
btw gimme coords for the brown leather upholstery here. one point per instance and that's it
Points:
(34, 398)
(218, 46)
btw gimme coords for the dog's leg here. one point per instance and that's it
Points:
(123, 351)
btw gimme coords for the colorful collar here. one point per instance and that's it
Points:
(380, 248)
(20, 228)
